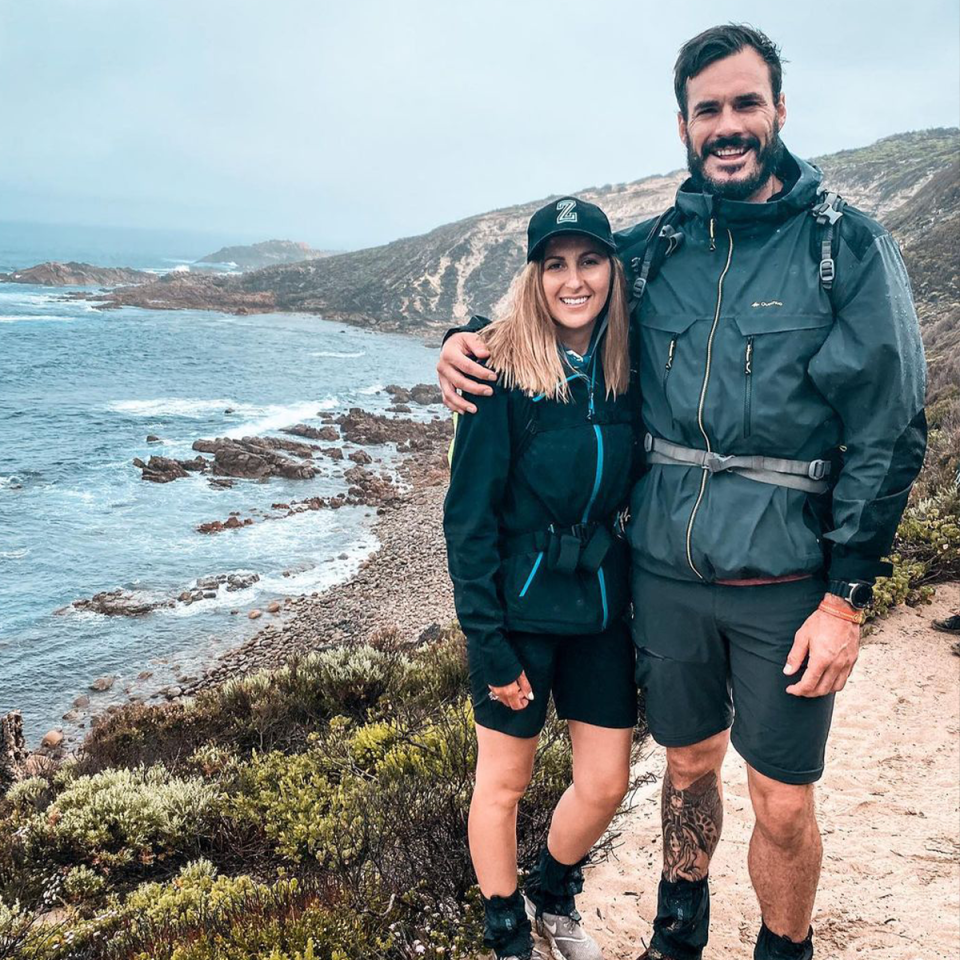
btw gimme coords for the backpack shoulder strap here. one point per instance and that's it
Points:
(828, 210)
(524, 424)
(662, 242)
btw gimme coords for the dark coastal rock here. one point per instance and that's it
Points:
(223, 483)
(13, 750)
(368, 488)
(360, 456)
(231, 523)
(426, 394)
(327, 434)
(101, 684)
(73, 274)
(334, 453)
(365, 429)
(255, 458)
(118, 603)
(160, 469)
(208, 587)
(152, 438)
(400, 408)
(399, 394)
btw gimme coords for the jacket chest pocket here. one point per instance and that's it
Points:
(772, 353)
(669, 345)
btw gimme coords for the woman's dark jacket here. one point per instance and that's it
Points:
(521, 465)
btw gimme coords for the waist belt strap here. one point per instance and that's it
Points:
(580, 547)
(807, 475)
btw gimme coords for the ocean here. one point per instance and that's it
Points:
(80, 390)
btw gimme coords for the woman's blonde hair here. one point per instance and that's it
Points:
(523, 340)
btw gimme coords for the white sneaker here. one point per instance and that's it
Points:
(567, 939)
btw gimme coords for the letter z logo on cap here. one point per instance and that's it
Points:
(567, 213)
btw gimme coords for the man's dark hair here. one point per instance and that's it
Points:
(716, 44)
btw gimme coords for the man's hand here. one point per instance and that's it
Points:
(830, 645)
(456, 360)
(515, 695)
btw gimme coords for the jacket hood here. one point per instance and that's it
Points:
(692, 201)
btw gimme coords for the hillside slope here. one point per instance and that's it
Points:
(465, 267)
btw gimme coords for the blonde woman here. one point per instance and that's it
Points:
(539, 475)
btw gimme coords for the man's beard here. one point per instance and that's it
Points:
(768, 159)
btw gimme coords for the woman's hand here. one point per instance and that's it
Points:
(515, 695)
(456, 360)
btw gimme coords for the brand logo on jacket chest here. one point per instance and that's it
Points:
(767, 303)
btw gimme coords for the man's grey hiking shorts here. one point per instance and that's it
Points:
(711, 656)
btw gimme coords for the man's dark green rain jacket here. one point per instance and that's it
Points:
(744, 352)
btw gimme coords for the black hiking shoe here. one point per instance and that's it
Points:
(948, 624)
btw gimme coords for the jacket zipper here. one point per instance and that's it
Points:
(668, 366)
(748, 387)
(533, 573)
(597, 480)
(703, 397)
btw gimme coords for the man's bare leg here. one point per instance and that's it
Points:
(692, 807)
(692, 814)
(785, 854)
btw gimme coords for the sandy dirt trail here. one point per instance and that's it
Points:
(889, 810)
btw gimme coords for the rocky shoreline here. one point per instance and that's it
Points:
(402, 588)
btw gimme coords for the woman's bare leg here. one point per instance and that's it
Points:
(504, 767)
(601, 777)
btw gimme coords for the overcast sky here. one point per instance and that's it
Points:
(353, 123)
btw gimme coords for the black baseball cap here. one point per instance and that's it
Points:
(567, 215)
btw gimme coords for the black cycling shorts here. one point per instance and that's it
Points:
(711, 656)
(591, 678)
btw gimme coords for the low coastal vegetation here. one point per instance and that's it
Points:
(315, 811)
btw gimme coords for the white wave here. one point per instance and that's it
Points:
(223, 598)
(338, 356)
(181, 407)
(276, 417)
(371, 390)
(323, 575)
(16, 296)
(26, 317)
(14, 554)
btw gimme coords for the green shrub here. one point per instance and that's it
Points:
(926, 552)
(81, 883)
(29, 795)
(119, 818)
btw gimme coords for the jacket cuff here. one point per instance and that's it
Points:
(502, 669)
(848, 565)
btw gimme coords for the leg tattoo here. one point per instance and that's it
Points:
(692, 821)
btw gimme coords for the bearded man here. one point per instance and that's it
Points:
(782, 376)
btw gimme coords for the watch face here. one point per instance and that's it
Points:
(860, 595)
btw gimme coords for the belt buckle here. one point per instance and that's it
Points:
(818, 469)
(715, 463)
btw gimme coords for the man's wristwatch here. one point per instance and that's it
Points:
(857, 594)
